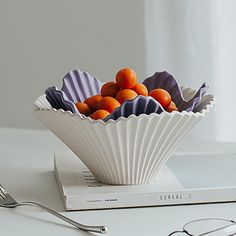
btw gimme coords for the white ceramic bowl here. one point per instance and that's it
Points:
(126, 151)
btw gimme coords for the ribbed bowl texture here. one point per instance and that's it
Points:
(128, 148)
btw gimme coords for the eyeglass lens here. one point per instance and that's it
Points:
(211, 227)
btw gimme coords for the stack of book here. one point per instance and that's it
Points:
(81, 191)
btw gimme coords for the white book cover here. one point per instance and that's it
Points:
(184, 180)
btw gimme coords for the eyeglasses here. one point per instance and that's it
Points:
(208, 226)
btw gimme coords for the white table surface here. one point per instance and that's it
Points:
(26, 170)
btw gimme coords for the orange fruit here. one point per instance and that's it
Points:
(172, 107)
(108, 103)
(93, 101)
(162, 96)
(126, 78)
(125, 94)
(99, 114)
(83, 108)
(110, 89)
(140, 89)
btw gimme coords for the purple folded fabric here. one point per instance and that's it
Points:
(79, 85)
(139, 105)
(59, 100)
(166, 81)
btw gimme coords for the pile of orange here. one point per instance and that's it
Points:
(113, 94)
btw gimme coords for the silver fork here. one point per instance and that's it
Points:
(7, 201)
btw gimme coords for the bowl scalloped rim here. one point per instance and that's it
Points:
(191, 113)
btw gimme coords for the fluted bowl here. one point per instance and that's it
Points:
(126, 150)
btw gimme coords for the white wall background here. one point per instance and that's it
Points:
(40, 41)
(194, 40)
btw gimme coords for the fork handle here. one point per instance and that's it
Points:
(96, 229)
